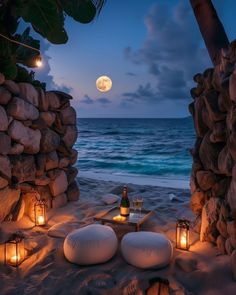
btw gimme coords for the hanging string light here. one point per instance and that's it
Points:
(38, 61)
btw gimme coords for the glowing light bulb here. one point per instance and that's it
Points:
(38, 61)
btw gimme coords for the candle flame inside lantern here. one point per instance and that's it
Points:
(40, 220)
(183, 240)
(14, 259)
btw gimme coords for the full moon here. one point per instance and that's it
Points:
(103, 84)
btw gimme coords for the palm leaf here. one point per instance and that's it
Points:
(46, 18)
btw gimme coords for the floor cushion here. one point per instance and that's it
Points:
(92, 244)
(146, 249)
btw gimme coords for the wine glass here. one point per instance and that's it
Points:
(135, 205)
(140, 205)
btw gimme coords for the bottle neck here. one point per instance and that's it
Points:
(125, 193)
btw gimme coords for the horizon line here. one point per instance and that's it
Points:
(174, 118)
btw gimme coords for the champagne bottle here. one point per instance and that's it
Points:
(124, 204)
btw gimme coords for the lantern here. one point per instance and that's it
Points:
(15, 250)
(182, 234)
(40, 213)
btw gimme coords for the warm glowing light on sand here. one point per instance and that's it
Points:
(119, 218)
(104, 84)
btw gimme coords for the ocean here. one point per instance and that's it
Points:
(136, 147)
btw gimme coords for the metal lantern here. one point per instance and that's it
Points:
(15, 251)
(182, 234)
(40, 213)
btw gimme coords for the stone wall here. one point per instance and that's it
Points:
(213, 180)
(37, 133)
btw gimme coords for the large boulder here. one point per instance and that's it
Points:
(9, 198)
(5, 167)
(59, 184)
(52, 161)
(70, 135)
(218, 132)
(48, 117)
(43, 101)
(3, 119)
(197, 201)
(73, 192)
(5, 143)
(225, 162)
(22, 110)
(210, 216)
(209, 153)
(12, 86)
(231, 197)
(50, 141)
(23, 168)
(73, 157)
(40, 161)
(28, 137)
(205, 179)
(224, 102)
(59, 201)
(64, 162)
(220, 188)
(232, 86)
(68, 116)
(231, 230)
(28, 92)
(71, 174)
(53, 100)
(5, 96)
(200, 125)
(211, 101)
(16, 149)
(220, 242)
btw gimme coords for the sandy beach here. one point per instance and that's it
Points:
(46, 271)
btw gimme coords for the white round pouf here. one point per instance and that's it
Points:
(146, 249)
(91, 244)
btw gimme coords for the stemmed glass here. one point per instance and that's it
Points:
(140, 205)
(137, 205)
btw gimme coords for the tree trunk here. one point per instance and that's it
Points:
(211, 28)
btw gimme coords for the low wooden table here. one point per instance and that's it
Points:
(134, 219)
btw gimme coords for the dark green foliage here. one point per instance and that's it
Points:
(47, 18)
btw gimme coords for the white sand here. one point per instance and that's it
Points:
(46, 271)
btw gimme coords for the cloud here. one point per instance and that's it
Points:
(131, 74)
(43, 74)
(172, 51)
(102, 100)
(87, 100)
(142, 93)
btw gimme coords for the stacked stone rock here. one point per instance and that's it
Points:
(37, 133)
(213, 180)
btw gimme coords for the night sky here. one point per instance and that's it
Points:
(150, 50)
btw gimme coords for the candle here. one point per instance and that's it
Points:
(119, 218)
(40, 220)
(15, 259)
(183, 241)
